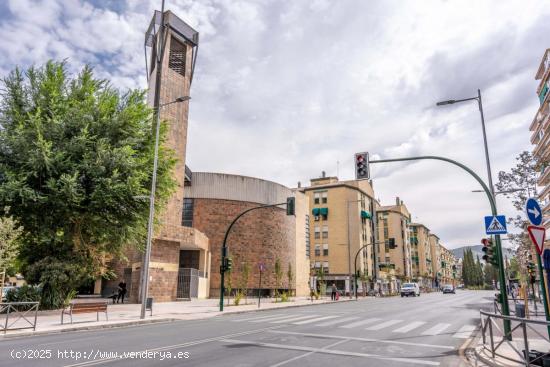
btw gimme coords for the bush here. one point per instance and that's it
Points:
(285, 297)
(25, 293)
(237, 299)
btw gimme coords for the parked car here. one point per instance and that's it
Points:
(410, 289)
(448, 289)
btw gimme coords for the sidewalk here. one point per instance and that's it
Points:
(128, 314)
(508, 351)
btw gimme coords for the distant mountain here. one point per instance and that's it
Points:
(476, 250)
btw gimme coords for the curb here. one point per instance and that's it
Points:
(289, 306)
(87, 327)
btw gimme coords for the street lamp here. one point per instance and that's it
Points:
(478, 99)
(349, 247)
(147, 255)
(503, 191)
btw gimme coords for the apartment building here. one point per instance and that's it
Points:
(540, 137)
(448, 266)
(341, 229)
(435, 250)
(394, 227)
(421, 255)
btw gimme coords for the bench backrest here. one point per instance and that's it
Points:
(89, 306)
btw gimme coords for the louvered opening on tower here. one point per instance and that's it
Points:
(176, 58)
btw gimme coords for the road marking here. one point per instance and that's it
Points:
(330, 351)
(384, 325)
(437, 329)
(292, 319)
(409, 327)
(170, 347)
(314, 320)
(359, 323)
(464, 332)
(306, 354)
(261, 317)
(333, 322)
(273, 318)
(370, 340)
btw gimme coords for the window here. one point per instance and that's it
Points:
(317, 232)
(324, 197)
(325, 231)
(187, 213)
(325, 249)
(316, 197)
(176, 58)
(317, 249)
(325, 267)
(317, 264)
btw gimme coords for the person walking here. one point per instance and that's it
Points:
(121, 291)
(333, 293)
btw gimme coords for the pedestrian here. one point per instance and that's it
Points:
(121, 291)
(333, 293)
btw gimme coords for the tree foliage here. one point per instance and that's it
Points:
(9, 244)
(472, 271)
(75, 154)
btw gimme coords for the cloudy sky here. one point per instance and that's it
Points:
(286, 89)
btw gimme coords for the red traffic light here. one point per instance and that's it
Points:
(486, 242)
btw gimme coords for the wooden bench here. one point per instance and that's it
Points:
(85, 307)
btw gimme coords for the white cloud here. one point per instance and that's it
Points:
(284, 90)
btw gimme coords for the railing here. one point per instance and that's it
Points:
(494, 338)
(18, 315)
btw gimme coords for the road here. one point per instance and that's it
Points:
(418, 331)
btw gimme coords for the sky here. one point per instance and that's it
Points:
(284, 90)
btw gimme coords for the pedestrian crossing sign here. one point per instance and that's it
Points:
(495, 224)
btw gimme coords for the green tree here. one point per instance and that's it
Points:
(523, 177)
(278, 276)
(290, 277)
(478, 272)
(75, 155)
(9, 244)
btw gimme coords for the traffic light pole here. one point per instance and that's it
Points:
(502, 277)
(355, 263)
(224, 247)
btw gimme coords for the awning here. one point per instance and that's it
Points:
(365, 214)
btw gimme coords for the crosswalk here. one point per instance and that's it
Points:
(422, 328)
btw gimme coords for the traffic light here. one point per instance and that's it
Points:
(362, 166)
(490, 252)
(228, 264)
(391, 243)
(290, 206)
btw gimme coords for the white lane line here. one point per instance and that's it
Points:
(167, 347)
(331, 351)
(370, 340)
(333, 322)
(383, 325)
(273, 318)
(464, 332)
(359, 323)
(437, 329)
(292, 319)
(314, 320)
(306, 354)
(260, 317)
(409, 327)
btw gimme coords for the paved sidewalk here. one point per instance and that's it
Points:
(128, 314)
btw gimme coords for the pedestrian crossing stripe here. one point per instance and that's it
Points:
(373, 324)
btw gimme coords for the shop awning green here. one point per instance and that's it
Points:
(315, 211)
(324, 211)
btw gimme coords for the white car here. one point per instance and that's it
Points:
(410, 289)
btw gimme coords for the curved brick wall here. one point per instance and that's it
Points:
(259, 236)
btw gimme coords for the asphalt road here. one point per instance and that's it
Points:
(422, 331)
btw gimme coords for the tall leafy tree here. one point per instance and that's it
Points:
(75, 153)
(9, 244)
(524, 177)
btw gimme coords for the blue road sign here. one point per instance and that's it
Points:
(495, 224)
(534, 212)
(546, 259)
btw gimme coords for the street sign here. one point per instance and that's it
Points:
(537, 235)
(495, 224)
(534, 212)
